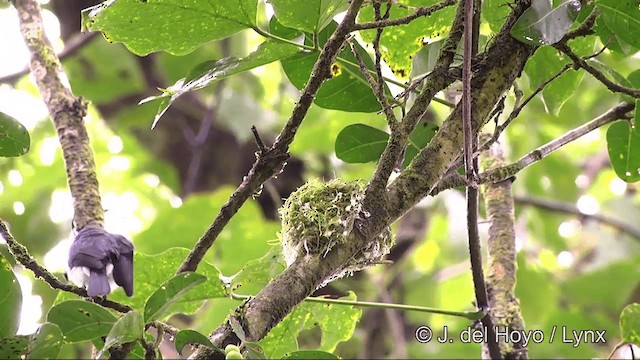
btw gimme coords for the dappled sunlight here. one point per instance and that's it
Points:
(588, 204)
(18, 207)
(61, 208)
(31, 312)
(15, 178)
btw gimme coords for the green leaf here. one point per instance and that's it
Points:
(401, 43)
(347, 90)
(495, 12)
(13, 347)
(209, 72)
(630, 324)
(425, 60)
(153, 270)
(80, 320)
(615, 283)
(309, 354)
(10, 299)
(184, 337)
(614, 42)
(623, 144)
(257, 273)
(175, 26)
(623, 18)
(545, 63)
(542, 25)
(130, 327)
(359, 143)
(14, 138)
(45, 343)
(169, 292)
(418, 139)
(307, 15)
(337, 323)
(254, 350)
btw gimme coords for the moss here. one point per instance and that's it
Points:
(320, 216)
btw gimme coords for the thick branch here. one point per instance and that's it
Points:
(504, 61)
(438, 79)
(501, 278)
(271, 162)
(67, 113)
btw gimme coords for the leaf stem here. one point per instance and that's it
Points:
(281, 39)
(471, 315)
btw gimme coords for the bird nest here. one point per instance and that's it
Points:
(320, 216)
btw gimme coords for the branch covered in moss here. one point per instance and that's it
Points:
(67, 113)
(504, 308)
(503, 63)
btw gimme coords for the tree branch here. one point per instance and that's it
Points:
(579, 62)
(503, 63)
(504, 172)
(563, 207)
(67, 113)
(420, 12)
(504, 307)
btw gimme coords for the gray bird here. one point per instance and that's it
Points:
(98, 259)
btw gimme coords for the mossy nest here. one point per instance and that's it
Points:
(318, 216)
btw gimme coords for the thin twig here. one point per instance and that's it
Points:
(72, 46)
(471, 172)
(420, 12)
(21, 254)
(586, 28)
(379, 89)
(579, 62)
(437, 81)
(259, 142)
(504, 172)
(388, 111)
(563, 207)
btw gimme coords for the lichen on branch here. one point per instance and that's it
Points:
(67, 113)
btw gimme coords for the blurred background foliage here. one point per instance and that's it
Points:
(163, 187)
